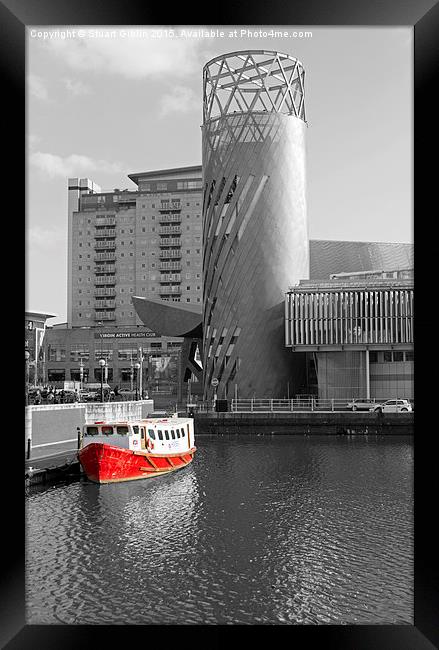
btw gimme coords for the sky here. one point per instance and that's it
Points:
(105, 102)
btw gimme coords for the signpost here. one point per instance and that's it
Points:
(214, 383)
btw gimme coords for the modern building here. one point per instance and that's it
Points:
(133, 242)
(357, 332)
(73, 354)
(147, 242)
(255, 229)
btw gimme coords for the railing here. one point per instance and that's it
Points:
(173, 266)
(298, 404)
(171, 241)
(163, 218)
(170, 230)
(170, 253)
(104, 256)
(105, 232)
(105, 279)
(294, 405)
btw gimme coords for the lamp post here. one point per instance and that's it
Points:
(102, 364)
(137, 366)
(81, 374)
(26, 367)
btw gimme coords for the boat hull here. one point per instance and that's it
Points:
(103, 463)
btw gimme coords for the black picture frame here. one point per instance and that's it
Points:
(423, 15)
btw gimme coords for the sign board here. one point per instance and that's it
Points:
(72, 385)
(124, 335)
(214, 382)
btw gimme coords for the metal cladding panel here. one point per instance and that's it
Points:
(328, 257)
(255, 234)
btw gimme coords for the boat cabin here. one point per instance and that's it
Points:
(152, 435)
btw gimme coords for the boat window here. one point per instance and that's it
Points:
(91, 431)
(122, 430)
(182, 433)
(107, 431)
(166, 434)
(160, 434)
(151, 434)
(142, 433)
(177, 431)
(135, 429)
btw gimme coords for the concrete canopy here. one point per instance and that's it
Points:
(169, 318)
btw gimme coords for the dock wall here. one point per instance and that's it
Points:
(337, 423)
(53, 428)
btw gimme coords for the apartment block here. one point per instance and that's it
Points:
(144, 242)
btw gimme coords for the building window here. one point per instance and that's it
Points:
(79, 352)
(373, 357)
(56, 353)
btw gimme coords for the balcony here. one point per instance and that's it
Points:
(105, 279)
(163, 218)
(102, 257)
(105, 315)
(171, 253)
(169, 205)
(105, 245)
(170, 266)
(170, 230)
(105, 268)
(171, 241)
(105, 291)
(170, 277)
(105, 304)
(170, 291)
(105, 221)
(105, 232)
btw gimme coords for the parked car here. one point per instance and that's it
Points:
(92, 392)
(393, 406)
(361, 404)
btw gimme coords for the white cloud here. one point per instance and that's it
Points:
(76, 88)
(134, 58)
(70, 166)
(37, 87)
(32, 140)
(180, 100)
(46, 238)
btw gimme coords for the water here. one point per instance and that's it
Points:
(257, 530)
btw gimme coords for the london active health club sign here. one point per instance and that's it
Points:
(125, 335)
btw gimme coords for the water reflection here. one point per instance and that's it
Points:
(277, 529)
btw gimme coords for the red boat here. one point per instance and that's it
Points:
(130, 450)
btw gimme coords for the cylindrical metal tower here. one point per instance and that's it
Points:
(255, 231)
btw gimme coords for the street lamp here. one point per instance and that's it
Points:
(81, 374)
(137, 366)
(26, 366)
(102, 364)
